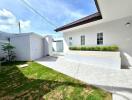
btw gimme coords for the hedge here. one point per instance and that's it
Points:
(95, 48)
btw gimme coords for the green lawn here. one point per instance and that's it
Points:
(37, 82)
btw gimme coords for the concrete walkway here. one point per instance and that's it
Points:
(119, 82)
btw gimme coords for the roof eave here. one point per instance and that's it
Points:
(79, 23)
(91, 18)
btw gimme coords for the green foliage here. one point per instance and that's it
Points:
(95, 48)
(8, 51)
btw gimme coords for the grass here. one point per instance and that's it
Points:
(37, 82)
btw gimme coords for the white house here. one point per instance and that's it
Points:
(28, 46)
(111, 25)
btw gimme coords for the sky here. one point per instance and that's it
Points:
(56, 13)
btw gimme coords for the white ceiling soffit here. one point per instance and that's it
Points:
(115, 9)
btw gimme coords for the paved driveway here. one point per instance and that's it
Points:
(118, 82)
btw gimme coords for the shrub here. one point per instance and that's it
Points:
(95, 48)
(9, 51)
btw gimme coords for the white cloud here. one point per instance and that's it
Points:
(25, 24)
(8, 21)
(6, 17)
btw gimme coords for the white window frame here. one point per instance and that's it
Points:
(100, 38)
(70, 41)
(82, 39)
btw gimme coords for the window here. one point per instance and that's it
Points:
(100, 39)
(70, 41)
(82, 40)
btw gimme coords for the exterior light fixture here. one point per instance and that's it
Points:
(128, 24)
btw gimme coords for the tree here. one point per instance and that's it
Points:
(8, 50)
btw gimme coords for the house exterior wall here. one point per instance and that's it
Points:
(36, 47)
(22, 47)
(115, 33)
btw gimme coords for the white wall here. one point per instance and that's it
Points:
(58, 46)
(48, 46)
(109, 60)
(36, 47)
(22, 47)
(28, 46)
(115, 33)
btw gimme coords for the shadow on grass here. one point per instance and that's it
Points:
(15, 85)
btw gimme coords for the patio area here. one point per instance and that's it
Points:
(119, 82)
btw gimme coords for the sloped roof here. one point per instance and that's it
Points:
(94, 17)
